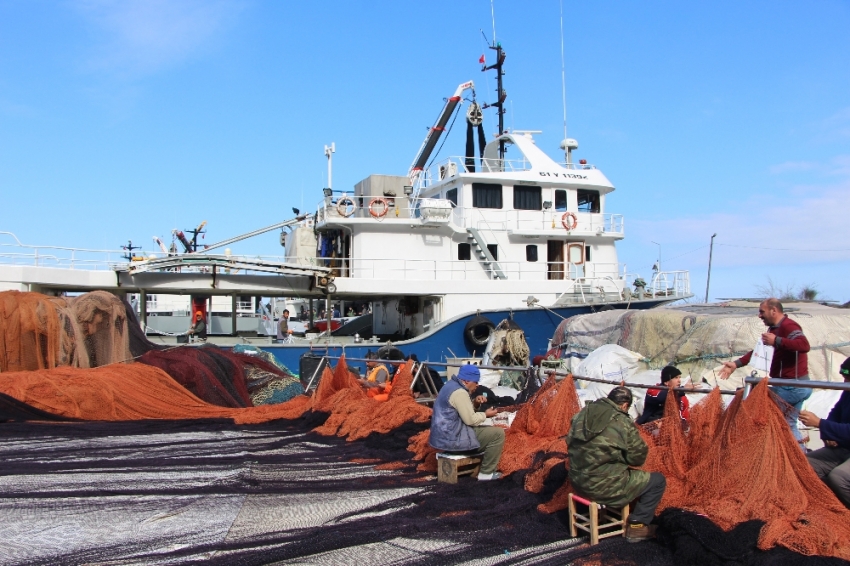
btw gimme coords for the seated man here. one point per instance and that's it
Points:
(656, 398)
(604, 446)
(832, 462)
(455, 425)
(377, 381)
(199, 328)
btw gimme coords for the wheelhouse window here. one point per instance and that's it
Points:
(486, 195)
(560, 200)
(528, 198)
(588, 201)
(451, 195)
(531, 253)
(464, 252)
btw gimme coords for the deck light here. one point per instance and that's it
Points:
(547, 204)
(328, 192)
(408, 190)
(582, 161)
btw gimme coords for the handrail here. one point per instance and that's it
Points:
(635, 385)
(803, 383)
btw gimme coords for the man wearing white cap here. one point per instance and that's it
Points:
(455, 425)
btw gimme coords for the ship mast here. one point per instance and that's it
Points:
(500, 92)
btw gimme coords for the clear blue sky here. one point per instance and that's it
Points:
(122, 120)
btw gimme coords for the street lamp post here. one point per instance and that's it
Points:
(710, 253)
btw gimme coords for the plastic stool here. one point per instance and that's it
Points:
(611, 518)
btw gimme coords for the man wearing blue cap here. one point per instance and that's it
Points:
(455, 425)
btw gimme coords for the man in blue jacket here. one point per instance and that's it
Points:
(832, 462)
(456, 425)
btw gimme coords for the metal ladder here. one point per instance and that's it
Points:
(484, 255)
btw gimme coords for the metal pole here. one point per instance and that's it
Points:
(329, 151)
(710, 252)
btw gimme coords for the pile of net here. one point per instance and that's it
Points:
(225, 378)
(740, 465)
(698, 341)
(122, 392)
(354, 415)
(41, 332)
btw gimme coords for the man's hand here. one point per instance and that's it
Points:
(768, 339)
(809, 419)
(727, 369)
(491, 412)
(830, 443)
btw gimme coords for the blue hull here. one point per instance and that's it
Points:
(539, 326)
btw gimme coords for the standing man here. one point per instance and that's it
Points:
(604, 448)
(283, 330)
(832, 462)
(790, 359)
(456, 426)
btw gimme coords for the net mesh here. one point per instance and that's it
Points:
(126, 392)
(38, 332)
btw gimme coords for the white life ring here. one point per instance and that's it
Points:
(569, 221)
(379, 201)
(343, 205)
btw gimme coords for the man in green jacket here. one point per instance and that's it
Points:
(604, 447)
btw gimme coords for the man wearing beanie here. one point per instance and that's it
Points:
(455, 425)
(653, 403)
(832, 462)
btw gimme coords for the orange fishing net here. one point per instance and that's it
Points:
(38, 332)
(355, 415)
(124, 392)
(752, 469)
(738, 465)
(539, 428)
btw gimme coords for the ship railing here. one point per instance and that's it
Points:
(16, 253)
(669, 284)
(556, 222)
(455, 164)
(403, 269)
(576, 166)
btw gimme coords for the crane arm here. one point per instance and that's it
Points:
(435, 132)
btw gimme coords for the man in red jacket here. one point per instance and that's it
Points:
(790, 359)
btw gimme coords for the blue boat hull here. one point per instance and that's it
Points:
(448, 340)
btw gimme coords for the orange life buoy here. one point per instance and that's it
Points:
(569, 221)
(379, 201)
(343, 205)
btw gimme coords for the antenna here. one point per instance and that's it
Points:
(563, 71)
(493, 17)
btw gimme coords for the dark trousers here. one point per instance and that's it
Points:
(648, 500)
(832, 465)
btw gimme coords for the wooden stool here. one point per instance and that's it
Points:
(451, 466)
(611, 519)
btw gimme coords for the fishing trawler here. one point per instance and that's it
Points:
(440, 255)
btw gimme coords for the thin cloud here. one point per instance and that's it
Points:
(802, 228)
(140, 37)
(838, 125)
(792, 167)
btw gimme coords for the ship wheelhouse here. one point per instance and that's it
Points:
(472, 233)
